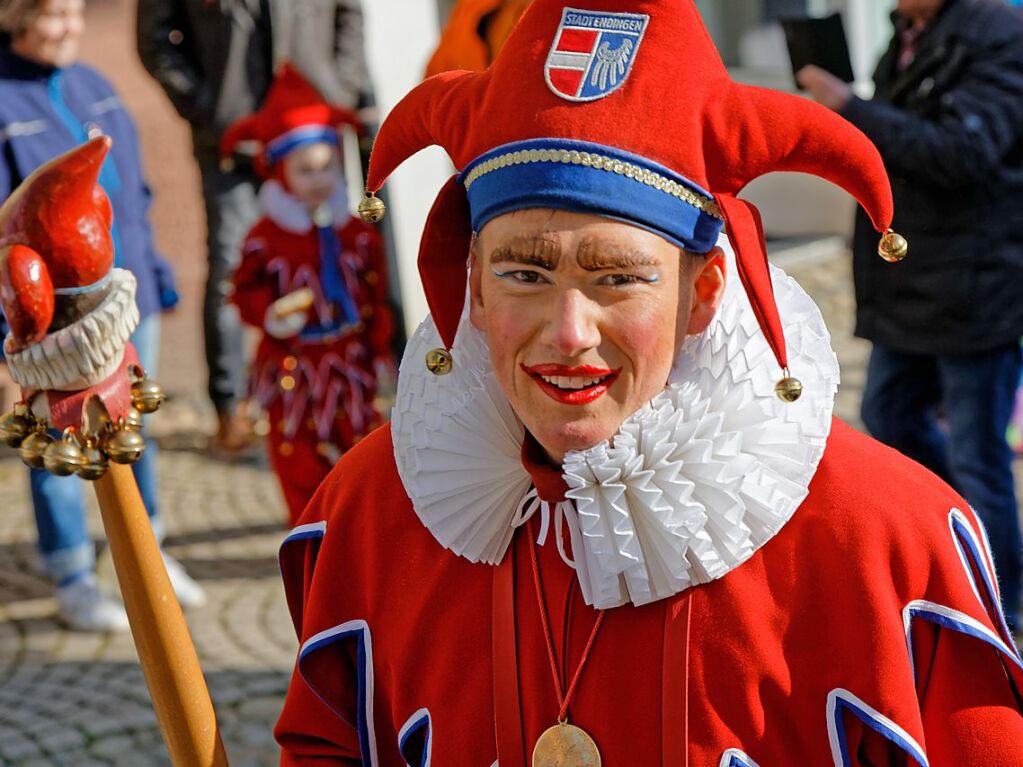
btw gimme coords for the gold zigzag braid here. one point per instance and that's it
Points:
(590, 160)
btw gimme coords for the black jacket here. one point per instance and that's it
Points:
(215, 58)
(950, 131)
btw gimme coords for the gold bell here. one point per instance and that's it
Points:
(788, 389)
(94, 464)
(63, 457)
(133, 421)
(123, 445)
(33, 448)
(371, 208)
(14, 427)
(146, 395)
(892, 247)
(439, 362)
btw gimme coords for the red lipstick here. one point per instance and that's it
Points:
(572, 396)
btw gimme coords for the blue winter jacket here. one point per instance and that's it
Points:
(43, 113)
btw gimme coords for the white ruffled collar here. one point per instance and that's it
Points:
(291, 215)
(687, 490)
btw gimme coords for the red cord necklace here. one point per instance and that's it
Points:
(563, 743)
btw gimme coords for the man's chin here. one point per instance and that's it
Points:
(557, 442)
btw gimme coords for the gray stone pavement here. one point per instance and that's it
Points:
(76, 698)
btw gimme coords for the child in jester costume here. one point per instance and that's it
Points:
(313, 279)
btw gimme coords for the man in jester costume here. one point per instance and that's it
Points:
(613, 520)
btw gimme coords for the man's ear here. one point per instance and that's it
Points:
(476, 313)
(708, 289)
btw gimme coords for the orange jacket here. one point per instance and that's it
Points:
(474, 34)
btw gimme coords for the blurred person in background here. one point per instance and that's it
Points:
(215, 61)
(313, 279)
(49, 104)
(947, 117)
(473, 33)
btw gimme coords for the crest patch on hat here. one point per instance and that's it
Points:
(592, 53)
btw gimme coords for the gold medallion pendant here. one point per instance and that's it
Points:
(565, 745)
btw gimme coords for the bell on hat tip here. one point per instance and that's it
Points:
(33, 448)
(788, 389)
(892, 247)
(94, 464)
(124, 445)
(371, 208)
(63, 457)
(439, 362)
(226, 164)
(146, 395)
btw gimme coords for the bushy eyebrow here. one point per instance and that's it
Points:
(543, 252)
(593, 256)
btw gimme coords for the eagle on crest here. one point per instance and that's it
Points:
(610, 64)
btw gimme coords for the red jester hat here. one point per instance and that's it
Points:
(293, 114)
(622, 109)
(54, 241)
(71, 312)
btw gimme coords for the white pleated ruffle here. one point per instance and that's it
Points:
(457, 444)
(707, 472)
(688, 489)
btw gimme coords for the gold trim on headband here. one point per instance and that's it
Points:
(589, 159)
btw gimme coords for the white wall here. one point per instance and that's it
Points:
(400, 36)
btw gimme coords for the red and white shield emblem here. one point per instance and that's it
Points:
(593, 52)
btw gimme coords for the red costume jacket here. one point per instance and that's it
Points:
(865, 632)
(318, 387)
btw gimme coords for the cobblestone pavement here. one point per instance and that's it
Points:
(80, 699)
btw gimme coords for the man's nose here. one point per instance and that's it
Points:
(572, 326)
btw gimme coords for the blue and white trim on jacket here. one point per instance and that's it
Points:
(357, 630)
(841, 700)
(975, 557)
(734, 757)
(418, 723)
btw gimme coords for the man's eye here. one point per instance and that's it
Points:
(525, 276)
(618, 280)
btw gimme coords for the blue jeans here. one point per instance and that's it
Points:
(67, 551)
(231, 208)
(976, 394)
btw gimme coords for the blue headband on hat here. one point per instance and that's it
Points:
(306, 134)
(585, 177)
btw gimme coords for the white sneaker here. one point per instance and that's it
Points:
(83, 607)
(187, 589)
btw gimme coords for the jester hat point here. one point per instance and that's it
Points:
(624, 110)
(292, 114)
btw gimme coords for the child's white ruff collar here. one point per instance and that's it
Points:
(688, 489)
(291, 214)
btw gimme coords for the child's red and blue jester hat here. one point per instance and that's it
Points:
(293, 114)
(621, 108)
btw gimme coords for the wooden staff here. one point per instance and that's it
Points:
(169, 661)
(54, 234)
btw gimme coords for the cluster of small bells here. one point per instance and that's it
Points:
(892, 248)
(86, 455)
